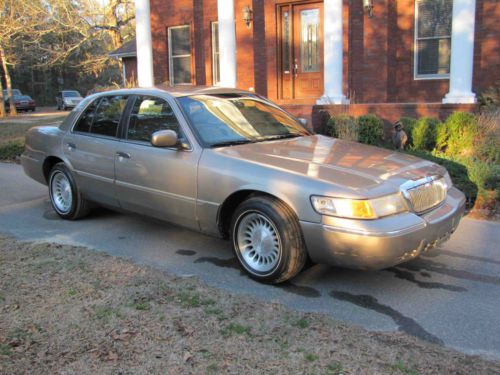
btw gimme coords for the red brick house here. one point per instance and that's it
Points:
(392, 57)
(127, 54)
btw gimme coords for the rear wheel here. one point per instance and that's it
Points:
(65, 197)
(267, 240)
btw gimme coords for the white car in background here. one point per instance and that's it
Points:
(68, 99)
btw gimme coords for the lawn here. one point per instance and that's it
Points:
(70, 310)
(12, 131)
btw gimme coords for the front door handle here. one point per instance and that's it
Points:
(123, 155)
(71, 146)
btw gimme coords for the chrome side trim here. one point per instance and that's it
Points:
(95, 177)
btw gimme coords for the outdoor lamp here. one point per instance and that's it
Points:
(368, 5)
(247, 15)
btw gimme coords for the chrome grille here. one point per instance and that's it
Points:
(427, 195)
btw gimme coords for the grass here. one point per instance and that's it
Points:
(12, 131)
(235, 329)
(127, 316)
(402, 368)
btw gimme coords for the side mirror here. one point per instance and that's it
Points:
(303, 121)
(164, 138)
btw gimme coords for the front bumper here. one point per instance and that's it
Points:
(382, 243)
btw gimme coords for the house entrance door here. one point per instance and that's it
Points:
(300, 42)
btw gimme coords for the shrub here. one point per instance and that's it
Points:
(11, 149)
(343, 127)
(491, 96)
(423, 134)
(488, 142)
(371, 129)
(457, 135)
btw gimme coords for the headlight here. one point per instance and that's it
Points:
(359, 208)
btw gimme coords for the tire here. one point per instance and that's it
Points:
(66, 199)
(267, 240)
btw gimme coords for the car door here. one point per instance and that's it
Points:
(91, 147)
(158, 182)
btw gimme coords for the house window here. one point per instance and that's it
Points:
(433, 38)
(179, 54)
(215, 54)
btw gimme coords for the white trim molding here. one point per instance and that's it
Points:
(462, 53)
(227, 42)
(333, 53)
(145, 77)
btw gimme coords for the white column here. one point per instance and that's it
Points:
(462, 52)
(227, 42)
(145, 76)
(333, 53)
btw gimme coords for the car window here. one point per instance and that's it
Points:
(71, 94)
(108, 114)
(85, 121)
(150, 115)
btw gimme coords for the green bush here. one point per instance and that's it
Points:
(371, 129)
(457, 135)
(423, 134)
(11, 149)
(343, 127)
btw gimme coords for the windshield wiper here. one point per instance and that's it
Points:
(231, 143)
(280, 136)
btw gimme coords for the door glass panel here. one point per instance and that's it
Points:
(150, 115)
(309, 40)
(286, 42)
(108, 114)
(85, 121)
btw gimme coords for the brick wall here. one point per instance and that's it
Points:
(130, 64)
(378, 51)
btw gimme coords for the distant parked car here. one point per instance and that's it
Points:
(233, 164)
(14, 92)
(22, 103)
(68, 99)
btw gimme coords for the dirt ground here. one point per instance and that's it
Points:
(69, 310)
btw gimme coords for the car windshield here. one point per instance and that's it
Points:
(14, 92)
(222, 120)
(71, 94)
(22, 97)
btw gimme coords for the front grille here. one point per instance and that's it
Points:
(427, 195)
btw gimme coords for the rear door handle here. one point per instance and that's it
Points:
(123, 155)
(71, 146)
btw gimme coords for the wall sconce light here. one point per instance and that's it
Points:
(368, 5)
(247, 16)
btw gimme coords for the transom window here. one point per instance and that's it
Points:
(179, 53)
(433, 38)
(102, 116)
(148, 116)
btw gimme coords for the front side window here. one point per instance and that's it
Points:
(433, 38)
(102, 116)
(215, 54)
(179, 51)
(222, 120)
(150, 115)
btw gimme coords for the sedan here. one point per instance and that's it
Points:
(232, 164)
(67, 99)
(22, 103)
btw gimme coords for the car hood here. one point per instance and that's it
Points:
(362, 169)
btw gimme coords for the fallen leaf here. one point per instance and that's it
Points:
(187, 356)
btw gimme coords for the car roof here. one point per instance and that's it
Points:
(178, 91)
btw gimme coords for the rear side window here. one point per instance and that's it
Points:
(150, 115)
(102, 116)
(85, 121)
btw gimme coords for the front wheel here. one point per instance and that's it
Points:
(65, 197)
(267, 240)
